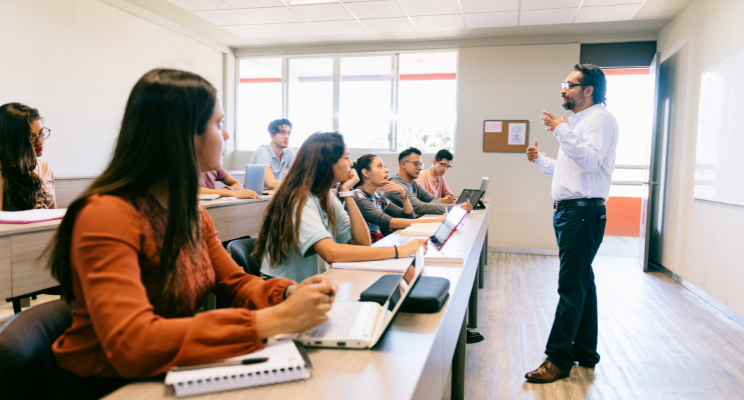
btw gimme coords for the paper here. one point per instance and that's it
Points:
(28, 216)
(494, 126)
(421, 229)
(390, 265)
(517, 134)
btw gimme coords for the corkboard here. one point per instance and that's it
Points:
(495, 141)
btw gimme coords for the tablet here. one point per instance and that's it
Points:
(472, 196)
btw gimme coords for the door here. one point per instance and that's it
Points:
(649, 173)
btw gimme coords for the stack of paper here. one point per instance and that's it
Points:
(421, 229)
(391, 265)
(29, 216)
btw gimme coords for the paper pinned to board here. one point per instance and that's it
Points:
(494, 126)
(517, 133)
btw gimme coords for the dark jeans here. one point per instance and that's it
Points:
(579, 231)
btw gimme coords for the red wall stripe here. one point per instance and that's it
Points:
(626, 71)
(427, 77)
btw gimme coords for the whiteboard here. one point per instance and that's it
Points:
(719, 152)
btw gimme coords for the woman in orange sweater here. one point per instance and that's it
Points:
(137, 254)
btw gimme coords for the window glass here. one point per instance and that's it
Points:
(310, 104)
(259, 100)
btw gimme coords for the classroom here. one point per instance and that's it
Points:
(240, 199)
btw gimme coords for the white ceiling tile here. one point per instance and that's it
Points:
(607, 13)
(250, 31)
(295, 29)
(546, 4)
(388, 25)
(431, 7)
(591, 3)
(201, 5)
(483, 6)
(491, 20)
(273, 15)
(254, 3)
(438, 22)
(226, 17)
(376, 9)
(323, 12)
(547, 17)
(340, 27)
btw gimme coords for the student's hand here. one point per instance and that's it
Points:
(394, 187)
(551, 121)
(467, 206)
(412, 247)
(349, 184)
(315, 279)
(244, 194)
(448, 199)
(532, 153)
(306, 307)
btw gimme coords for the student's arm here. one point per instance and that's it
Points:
(238, 194)
(333, 252)
(269, 180)
(359, 229)
(232, 182)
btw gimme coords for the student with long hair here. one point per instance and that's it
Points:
(382, 216)
(27, 182)
(138, 255)
(305, 227)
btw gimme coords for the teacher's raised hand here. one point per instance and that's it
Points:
(532, 153)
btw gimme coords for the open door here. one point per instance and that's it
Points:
(649, 173)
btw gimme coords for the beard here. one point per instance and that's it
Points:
(568, 104)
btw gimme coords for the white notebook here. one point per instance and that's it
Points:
(421, 229)
(390, 265)
(285, 363)
(29, 216)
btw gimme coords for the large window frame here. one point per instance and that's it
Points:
(394, 78)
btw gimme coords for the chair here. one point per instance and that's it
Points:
(240, 250)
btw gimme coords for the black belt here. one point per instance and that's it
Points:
(557, 205)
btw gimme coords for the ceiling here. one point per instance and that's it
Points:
(247, 23)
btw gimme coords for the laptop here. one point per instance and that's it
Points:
(443, 233)
(360, 324)
(254, 177)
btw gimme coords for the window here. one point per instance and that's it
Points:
(379, 102)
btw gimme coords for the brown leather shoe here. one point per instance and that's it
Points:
(547, 372)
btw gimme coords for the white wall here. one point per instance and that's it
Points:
(702, 241)
(76, 61)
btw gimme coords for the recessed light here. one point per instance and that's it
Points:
(303, 2)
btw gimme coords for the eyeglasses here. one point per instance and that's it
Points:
(416, 163)
(445, 165)
(45, 133)
(569, 85)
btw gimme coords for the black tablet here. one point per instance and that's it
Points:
(472, 196)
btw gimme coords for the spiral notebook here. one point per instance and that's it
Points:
(286, 362)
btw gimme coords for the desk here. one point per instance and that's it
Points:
(23, 273)
(412, 359)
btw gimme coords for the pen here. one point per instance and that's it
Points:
(247, 361)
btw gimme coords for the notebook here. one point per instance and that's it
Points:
(29, 216)
(421, 229)
(391, 265)
(285, 363)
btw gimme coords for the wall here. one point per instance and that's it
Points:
(76, 61)
(701, 240)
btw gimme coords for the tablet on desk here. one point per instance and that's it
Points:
(445, 231)
(472, 196)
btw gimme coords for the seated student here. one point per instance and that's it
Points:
(209, 178)
(305, 227)
(27, 182)
(138, 255)
(382, 216)
(423, 202)
(432, 180)
(277, 156)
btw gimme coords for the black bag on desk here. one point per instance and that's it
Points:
(427, 296)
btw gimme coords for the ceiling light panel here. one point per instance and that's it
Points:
(295, 29)
(431, 7)
(273, 15)
(352, 27)
(201, 5)
(608, 13)
(254, 3)
(481, 6)
(491, 20)
(548, 17)
(548, 4)
(226, 17)
(388, 25)
(323, 12)
(438, 22)
(376, 9)
(251, 31)
(592, 3)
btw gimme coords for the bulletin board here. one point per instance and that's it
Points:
(510, 136)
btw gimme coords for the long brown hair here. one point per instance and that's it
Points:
(311, 172)
(21, 185)
(156, 142)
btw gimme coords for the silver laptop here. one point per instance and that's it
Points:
(484, 185)
(254, 177)
(360, 324)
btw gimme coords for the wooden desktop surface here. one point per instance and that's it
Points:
(412, 359)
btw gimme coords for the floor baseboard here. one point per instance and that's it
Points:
(522, 250)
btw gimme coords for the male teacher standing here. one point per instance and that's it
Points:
(582, 175)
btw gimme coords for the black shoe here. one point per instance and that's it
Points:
(473, 337)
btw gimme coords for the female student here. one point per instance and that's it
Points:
(305, 227)
(27, 182)
(137, 254)
(381, 215)
(233, 188)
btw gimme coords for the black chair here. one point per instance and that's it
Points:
(240, 250)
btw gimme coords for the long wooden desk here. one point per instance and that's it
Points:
(22, 272)
(412, 359)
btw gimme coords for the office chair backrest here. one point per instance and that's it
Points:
(240, 250)
(26, 360)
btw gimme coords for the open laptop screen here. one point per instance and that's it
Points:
(484, 184)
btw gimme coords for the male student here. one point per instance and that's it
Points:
(276, 156)
(423, 202)
(433, 178)
(207, 182)
(582, 175)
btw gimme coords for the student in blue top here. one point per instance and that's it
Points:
(276, 156)
(305, 227)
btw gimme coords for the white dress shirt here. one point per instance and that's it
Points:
(586, 157)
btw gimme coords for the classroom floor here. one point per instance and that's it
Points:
(657, 340)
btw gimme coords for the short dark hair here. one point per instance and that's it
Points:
(444, 154)
(592, 75)
(407, 152)
(275, 124)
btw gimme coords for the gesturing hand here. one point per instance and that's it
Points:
(551, 121)
(532, 153)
